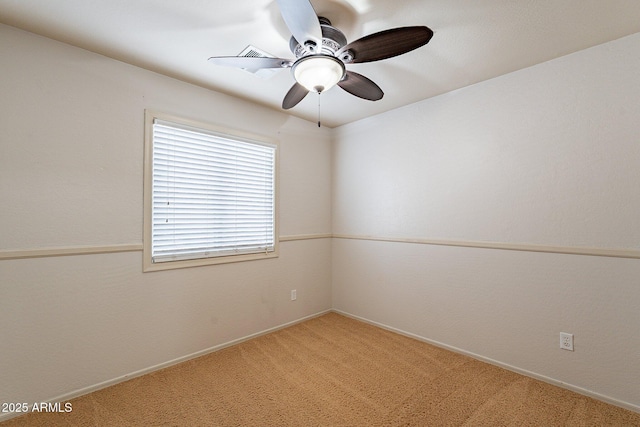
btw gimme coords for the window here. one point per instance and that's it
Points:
(210, 197)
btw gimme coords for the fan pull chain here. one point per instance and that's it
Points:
(319, 93)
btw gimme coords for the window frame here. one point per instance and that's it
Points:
(148, 264)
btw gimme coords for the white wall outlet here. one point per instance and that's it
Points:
(566, 341)
(293, 295)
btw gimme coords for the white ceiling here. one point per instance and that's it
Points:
(474, 40)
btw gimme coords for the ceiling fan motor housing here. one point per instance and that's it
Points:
(332, 41)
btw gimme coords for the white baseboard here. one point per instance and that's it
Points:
(579, 390)
(90, 389)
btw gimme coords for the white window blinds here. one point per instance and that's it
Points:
(212, 195)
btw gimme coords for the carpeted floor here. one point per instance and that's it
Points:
(333, 371)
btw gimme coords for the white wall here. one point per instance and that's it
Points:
(71, 168)
(546, 158)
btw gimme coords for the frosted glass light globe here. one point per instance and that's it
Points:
(318, 73)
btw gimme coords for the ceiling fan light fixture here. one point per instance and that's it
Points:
(318, 73)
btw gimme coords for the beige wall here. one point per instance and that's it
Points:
(71, 167)
(542, 159)
(546, 158)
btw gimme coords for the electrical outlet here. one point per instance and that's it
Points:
(566, 341)
(293, 295)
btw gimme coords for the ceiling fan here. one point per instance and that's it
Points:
(322, 53)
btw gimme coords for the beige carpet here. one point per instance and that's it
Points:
(334, 371)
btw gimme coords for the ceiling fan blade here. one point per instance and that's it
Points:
(250, 62)
(360, 86)
(387, 44)
(302, 21)
(295, 95)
